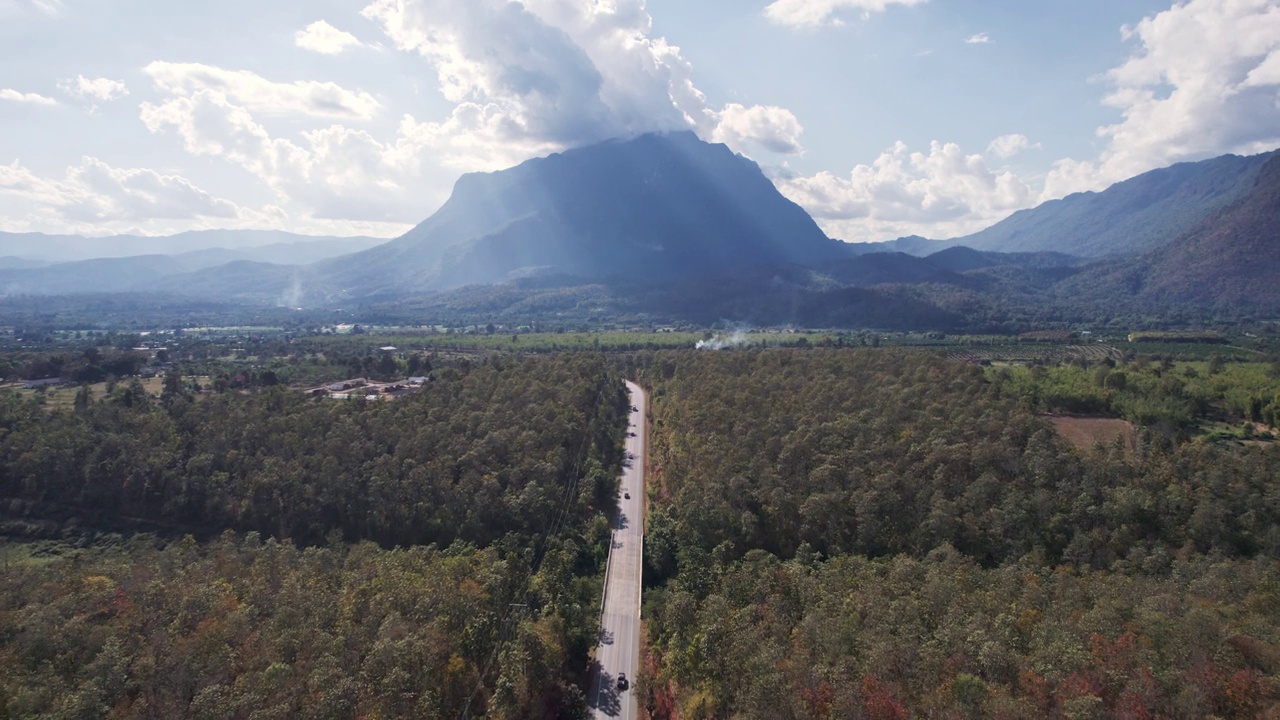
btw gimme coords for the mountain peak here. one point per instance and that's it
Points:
(656, 206)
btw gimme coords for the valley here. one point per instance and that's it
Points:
(640, 359)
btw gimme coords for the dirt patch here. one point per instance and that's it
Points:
(1084, 432)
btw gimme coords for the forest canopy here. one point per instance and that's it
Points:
(885, 534)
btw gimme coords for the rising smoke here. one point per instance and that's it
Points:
(720, 342)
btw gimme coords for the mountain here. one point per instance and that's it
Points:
(10, 262)
(1229, 263)
(655, 207)
(257, 245)
(911, 245)
(90, 276)
(963, 259)
(295, 252)
(1130, 217)
(267, 273)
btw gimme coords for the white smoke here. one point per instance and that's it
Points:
(292, 298)
(721, 342)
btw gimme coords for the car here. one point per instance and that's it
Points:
(626, 495)
(623, 682)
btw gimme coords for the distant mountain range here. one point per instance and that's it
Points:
(257, 245)
(670, 226)
(177, 271)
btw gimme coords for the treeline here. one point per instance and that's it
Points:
(90, 365)
(858, 534)
(1171, 395)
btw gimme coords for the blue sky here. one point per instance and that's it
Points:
(881, 117)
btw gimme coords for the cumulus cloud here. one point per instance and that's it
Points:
(29, 98)
(979, 39)
(94, 192)
(1006, 146)
(942, 193)
(773, 128)
(568, 72)
(336, 171)
(538, 84)
(323, 99)
(100, 89)
(812, 13)
(324, 38)
(1204, 80)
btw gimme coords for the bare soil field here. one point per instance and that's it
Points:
(1084, 432)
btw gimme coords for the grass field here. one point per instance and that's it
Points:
(64, 397)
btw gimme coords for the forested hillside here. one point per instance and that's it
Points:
(861, 534)
(1228, 264)
(498, 475)
(1131, 217)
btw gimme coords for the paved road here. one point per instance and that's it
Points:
(619, 649)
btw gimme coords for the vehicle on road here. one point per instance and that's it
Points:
(623, 682)
(626, 495)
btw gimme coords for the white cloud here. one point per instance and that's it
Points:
(100, 89)
(335, 172)
(324, 38)
(568, 72)
(537, 84)
(773, 128)
(1204, 81)
(979, 39)
(944, 193)
(138, 194)
(21, 97)
(94, 193)
(323, 99)
(812, 13)
(1006, 146)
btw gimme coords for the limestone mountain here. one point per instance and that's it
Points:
(655, 207)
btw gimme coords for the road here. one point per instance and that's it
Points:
(619, 649)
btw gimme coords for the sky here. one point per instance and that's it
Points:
(882, 118)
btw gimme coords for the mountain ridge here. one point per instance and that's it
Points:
(1129, 217)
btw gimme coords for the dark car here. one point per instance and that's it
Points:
(623, 682)
(626, 495)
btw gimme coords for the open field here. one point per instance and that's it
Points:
(64, 397)
(1087, 432)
